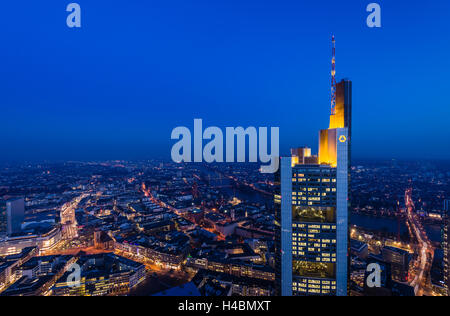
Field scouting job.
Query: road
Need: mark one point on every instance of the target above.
(69, 229)
(68, 220)
(425, 249)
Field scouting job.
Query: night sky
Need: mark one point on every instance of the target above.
(116, 88)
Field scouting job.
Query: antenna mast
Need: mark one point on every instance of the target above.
(333, 77)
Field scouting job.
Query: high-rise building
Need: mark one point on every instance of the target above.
(15, 214)
(399, 260)
(311, 209)
(446, 245)
(312, 215)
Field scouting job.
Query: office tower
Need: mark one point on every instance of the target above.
(15, 213)
(399, 260)
(312, 215)
(446, 245)
(311, 209)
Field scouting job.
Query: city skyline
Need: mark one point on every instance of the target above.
(197, 148)
(116, 92)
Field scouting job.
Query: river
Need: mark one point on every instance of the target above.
(368, 222)
(391, 225)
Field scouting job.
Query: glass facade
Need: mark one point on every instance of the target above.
(283, 237)
(342, 220)
(312, 212)
(446, 246)
(15, 214)
(314, 230)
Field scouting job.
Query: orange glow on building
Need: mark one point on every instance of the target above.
(328, 147)
(338, 120)
(341, 118)
(341, 115)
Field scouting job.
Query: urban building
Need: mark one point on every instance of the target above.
(232, 267)
(15, 214)
(234, 285)
(399, 260)
(36, 276)
(359, 249)
(167, 250)
(9, 266)
(388, 286)
(103, 241)
(311, 208)
(446, 246)
(103, 274)
(45, 239)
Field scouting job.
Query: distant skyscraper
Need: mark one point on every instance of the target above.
(446, 245)
(312, 211)
(15, 214)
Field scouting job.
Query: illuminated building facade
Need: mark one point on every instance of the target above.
(343, 115)
(45, 241)
(341, 119)
(399, 260)
(446, 246)
(9, 266)
(168, 251)
(103, 274)
(311, 211)
(235, 268)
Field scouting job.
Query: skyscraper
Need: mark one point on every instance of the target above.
(15, 213)
(311, 209)
(446, 205)
(446, 245)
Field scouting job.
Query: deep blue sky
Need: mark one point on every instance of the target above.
(115, 88)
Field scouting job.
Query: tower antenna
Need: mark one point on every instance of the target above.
(333, 77)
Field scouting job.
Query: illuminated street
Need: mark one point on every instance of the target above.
(426, 251)
(68, 221)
